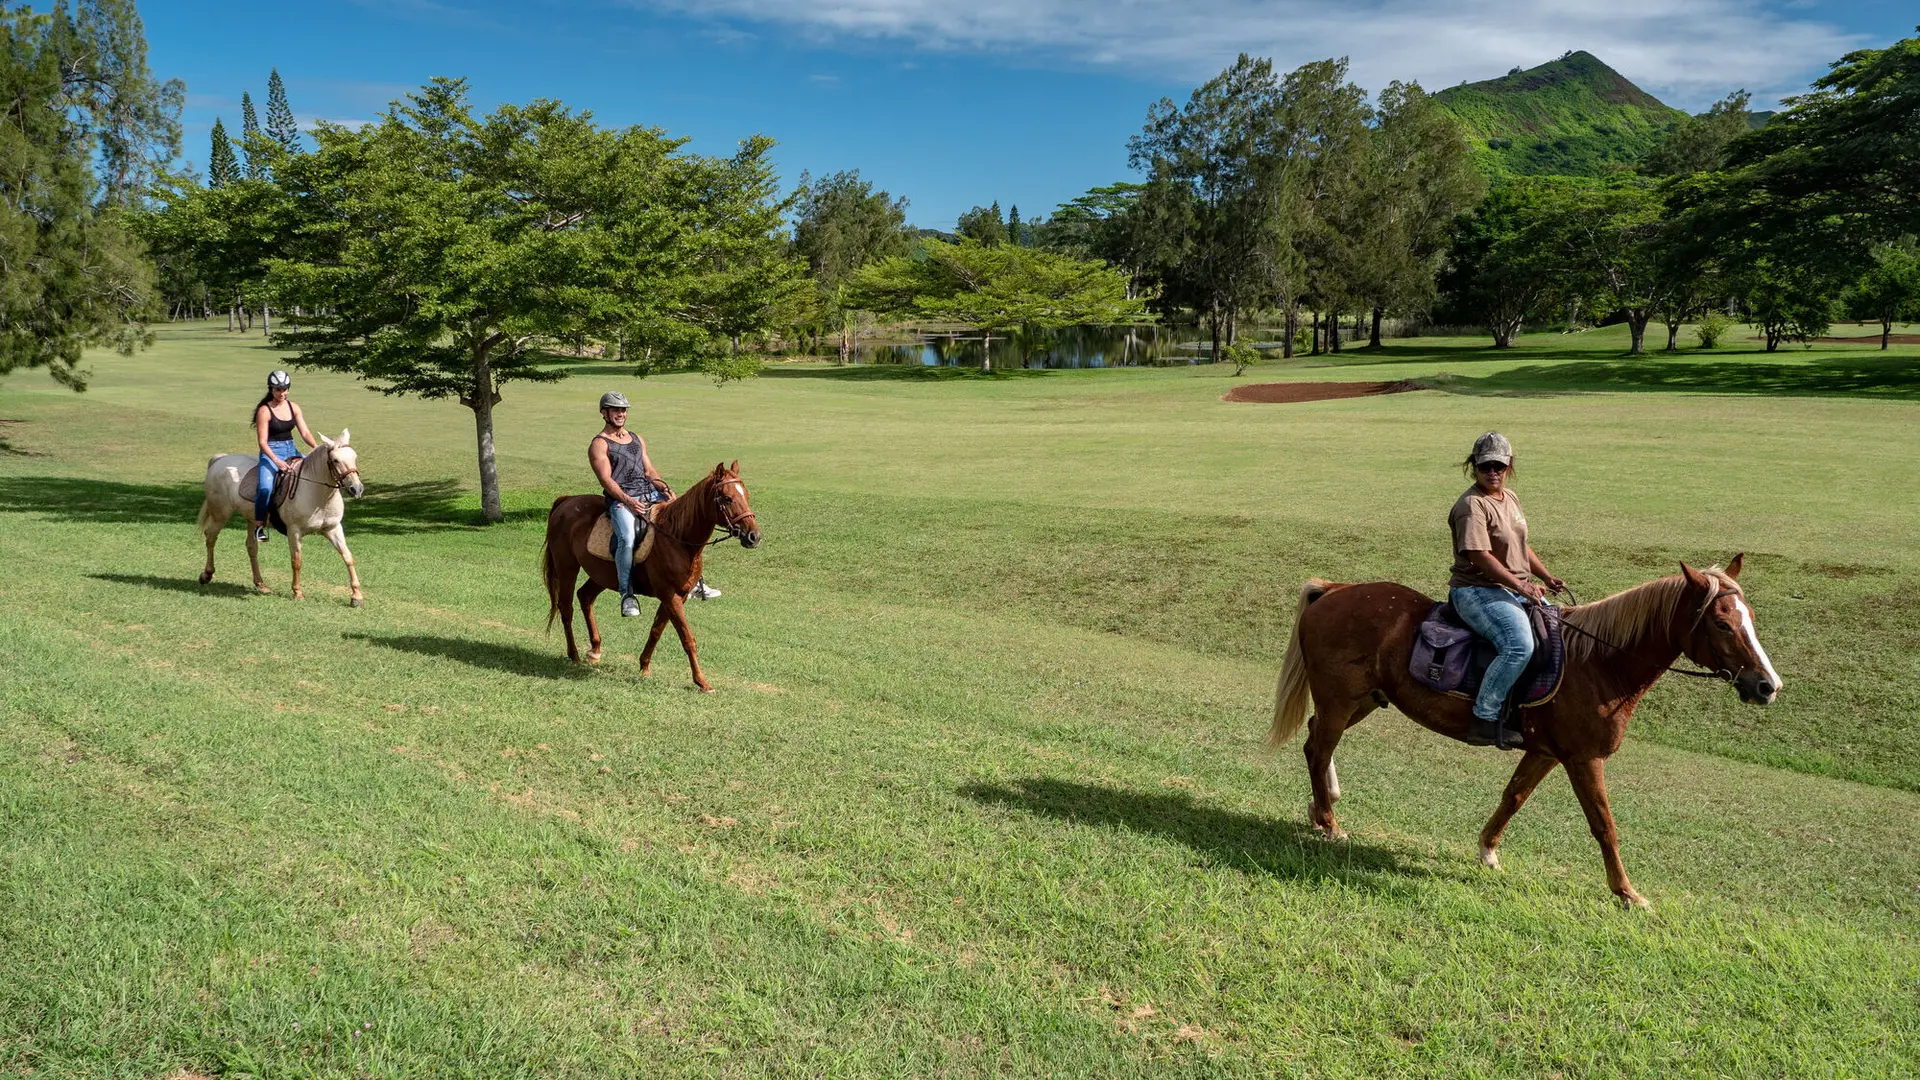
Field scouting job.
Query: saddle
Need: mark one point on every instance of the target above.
(600, 540)
(250, 483)
(1449, 657)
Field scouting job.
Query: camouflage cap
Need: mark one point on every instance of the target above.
(613, 399)
(1492, 446)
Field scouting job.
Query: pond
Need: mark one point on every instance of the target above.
(1070, 347)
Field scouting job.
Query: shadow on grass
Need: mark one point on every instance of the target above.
(512, 659)
(421, 506)
(183, 585)
(1895, 378)
(904, 373)
(1289, 849)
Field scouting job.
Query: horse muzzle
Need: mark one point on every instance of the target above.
(750, 538)
(1755, 688)
(353, 488)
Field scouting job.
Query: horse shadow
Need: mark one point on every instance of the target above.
(182, 585)
(1224, 838)
(512, 659)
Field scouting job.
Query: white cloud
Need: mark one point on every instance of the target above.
(824, 80)
(1690, 52)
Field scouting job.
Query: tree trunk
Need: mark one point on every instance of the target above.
(230, 319)
(986, 350)
(846, 345)
(1373, 339)
(1637, 327)
(1292, 328)
(1673, 337)
(1213, 322)
(1503, 332)
(482, 401)
(1314, 348)
(1333, 333)
(266, 320)
(1886, 332)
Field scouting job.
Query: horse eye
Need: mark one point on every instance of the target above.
(1724, 625)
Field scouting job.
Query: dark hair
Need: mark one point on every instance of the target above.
(253, 418)
(1513, 469)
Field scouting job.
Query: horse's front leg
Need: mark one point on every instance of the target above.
(293, 549)
(1532, 769)
(676, 609)
(1590, 784)
(337, 536)
(653, 638)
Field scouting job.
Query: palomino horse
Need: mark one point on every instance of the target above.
(681, 531)
(312, 505)
(1351, 645)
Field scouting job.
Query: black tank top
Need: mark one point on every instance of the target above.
(629, 473)
(279, 430)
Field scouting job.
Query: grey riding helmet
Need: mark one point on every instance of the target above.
(1492, 446)
(278, 380)
(614, 399)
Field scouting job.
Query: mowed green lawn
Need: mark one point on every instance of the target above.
(982, 790)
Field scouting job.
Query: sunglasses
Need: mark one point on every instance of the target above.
(1490, 466)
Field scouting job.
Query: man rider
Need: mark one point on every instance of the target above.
(619, 459)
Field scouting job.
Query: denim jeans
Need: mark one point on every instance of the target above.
(623, 530)
(270, 475)
(1500, 616)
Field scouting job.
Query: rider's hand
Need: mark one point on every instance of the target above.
(1533, 590)
(1557, 584)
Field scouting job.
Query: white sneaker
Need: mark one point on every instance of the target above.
(704, 591)
(260, 535)
(629, 606)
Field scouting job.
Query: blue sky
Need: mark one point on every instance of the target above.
(951, 104)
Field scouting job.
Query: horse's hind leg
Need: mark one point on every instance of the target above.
(293, 548)
(210, 529)
(1532, 769)
(1333, 714)
(253, 557)
(588, 594)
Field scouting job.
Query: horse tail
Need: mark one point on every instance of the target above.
(1290, 698)
(548, 571)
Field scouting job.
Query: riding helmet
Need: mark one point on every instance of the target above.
(613, 399)
(278, 380)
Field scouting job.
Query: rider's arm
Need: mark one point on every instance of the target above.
(260, 431)
(1491, 567)
(603, 468)
(1540, 571)
(300, 421)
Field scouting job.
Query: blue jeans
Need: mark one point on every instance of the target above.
(1500, 616)
(623, 530)
(270, 475)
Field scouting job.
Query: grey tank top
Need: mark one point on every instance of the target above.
(629, 473)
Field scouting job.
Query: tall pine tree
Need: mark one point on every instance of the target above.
(1013, 224)
(249, 129)
(222, 169)
(281, 126)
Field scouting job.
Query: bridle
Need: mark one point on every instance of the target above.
(724, 504)
(339, 478)
(1721, 674)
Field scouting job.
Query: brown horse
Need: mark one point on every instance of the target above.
(1351, 645)
(682, 528)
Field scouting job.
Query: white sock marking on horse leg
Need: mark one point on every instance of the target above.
(1333, 780)
(1753, 639)
(1489, 857)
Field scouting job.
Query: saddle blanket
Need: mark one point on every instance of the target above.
(1449, 657)
(600, 540)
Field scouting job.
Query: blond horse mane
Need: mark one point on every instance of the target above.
(1626, 616)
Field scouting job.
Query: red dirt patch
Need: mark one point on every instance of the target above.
(1896, 339)
(1280, 393)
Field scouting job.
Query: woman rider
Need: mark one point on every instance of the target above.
(275, 420)
(1491, 586)
(619, 460)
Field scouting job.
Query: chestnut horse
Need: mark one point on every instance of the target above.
(682, 527)
(1351, 645)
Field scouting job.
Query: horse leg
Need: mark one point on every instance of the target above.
(588, 594)
(1329, 722)
(253, 557)
(1532, 769)
(563, 600)
(653, 638)
(677, 611)
(1590, 784)
(338, 538)
(293, 549)
(211, 530)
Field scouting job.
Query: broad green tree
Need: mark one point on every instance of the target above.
(996, 289)
(445, 255)
(1613, 246)
(1890, 290)
(841, 224)
(1503, 269)
(748, 278)
(1786, 300)
(983, 225)
(1699, 144)
(83, 126)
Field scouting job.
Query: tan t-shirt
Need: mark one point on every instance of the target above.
(1483, 523)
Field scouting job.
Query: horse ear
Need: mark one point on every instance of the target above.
(1733, 566)
(719, 468)
(1694, 577)
(735, 467)
(329, 443)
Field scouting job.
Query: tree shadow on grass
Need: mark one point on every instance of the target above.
(182, 585)
(1288, 849)
(904, 373)
(1892, 378)
(420, 506)
(512, 659)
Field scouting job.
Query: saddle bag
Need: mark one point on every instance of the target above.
(1442, 651)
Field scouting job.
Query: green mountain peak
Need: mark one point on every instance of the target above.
(1574, 116)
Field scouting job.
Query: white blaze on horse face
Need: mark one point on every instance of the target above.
(1753, 640)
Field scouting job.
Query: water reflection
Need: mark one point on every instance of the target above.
(1070, 347)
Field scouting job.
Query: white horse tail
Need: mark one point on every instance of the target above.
(1290, 698)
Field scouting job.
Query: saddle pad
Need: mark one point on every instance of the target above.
(600, 540)
(1448, 656)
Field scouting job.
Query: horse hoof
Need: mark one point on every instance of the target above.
(206, 576)
(593, 657)
(1489, 857)
(355, 602)
(1633, 899)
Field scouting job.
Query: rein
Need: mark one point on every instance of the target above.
(1721, 675)
(299, 476)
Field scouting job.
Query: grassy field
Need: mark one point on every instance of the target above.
(982, 790)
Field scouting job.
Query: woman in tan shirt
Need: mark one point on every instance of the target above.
(1493, 571)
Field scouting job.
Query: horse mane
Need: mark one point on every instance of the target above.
(680, 506)
(1625, 617)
